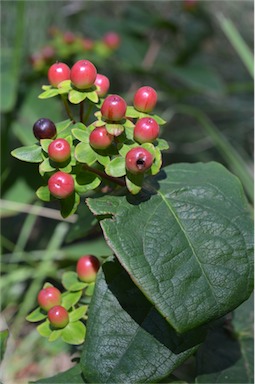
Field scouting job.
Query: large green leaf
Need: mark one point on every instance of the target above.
(127, 340)
(187, 241)
(227, 356)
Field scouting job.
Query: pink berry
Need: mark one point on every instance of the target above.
(59, 150)
(57, 73)
(112, 40)
(145, 99)
(58, 317)
(83, 74)
(138, 160)
(49, 297)
(61, 185)
(146, 130)
(100, 138)
(103, 83)
(114, 108)
(87, 268)
(88, 44)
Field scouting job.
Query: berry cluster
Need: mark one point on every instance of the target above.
(68, 45)
(113, 142)
(63, 314)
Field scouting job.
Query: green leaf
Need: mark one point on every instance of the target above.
(86, 181)
(44, 329)
(74, 333)
(132, 112)
(69, 205)
(192, 241)
(103, 159)
(30, 153)
(78, 313)
(162, 144)
(55, 335)
(45, 144)
(71, 282)
(81, 135)
(75, 97)
(46, 166)
(69, 299)
(90, 289)
(125, 148)
(134, 182)
(71, 376)
(158, 119)
(49, 93)
(64, 87)
(3, 342)
(37, 315)
(116, 167)
(227, 355)
(43, 193)
(134, 342)
(92, 96)
(63, 125)
(114, 129)
(85, 154)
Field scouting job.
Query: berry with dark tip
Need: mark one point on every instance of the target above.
(138, 160)
(87, 268)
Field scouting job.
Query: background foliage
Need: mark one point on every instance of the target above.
(206, 95)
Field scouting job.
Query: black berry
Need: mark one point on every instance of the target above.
(44, 129)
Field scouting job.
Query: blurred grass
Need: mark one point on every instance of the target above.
(203, 76)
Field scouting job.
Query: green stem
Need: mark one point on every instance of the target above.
(104, 175)
(228, 152)
(86, 117)
(68, 111)
(81, 110)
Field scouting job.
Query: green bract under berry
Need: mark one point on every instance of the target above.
(49, 297)
(87, 268)
(83, 74)
(57, 73)
(145, 99)
(146, 130)
(100, 138)
(61, 185)
(58, 317)
(44, 129)
(138, 160)
(114, 108)
(59, 150)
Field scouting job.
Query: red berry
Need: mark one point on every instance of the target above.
(83, 74)
(145, 99)
(57, 73)
(87, 268)
(48, 52)
(69, 37)
(114, 108)
(58, 317)
(49, 297)
(138, 160)
(112, 40)
(44, 129)
(146, 130)
(103, 84)
(61, 185)
(100, 138)
(59, 150)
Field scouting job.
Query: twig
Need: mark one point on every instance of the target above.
(115, 180)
